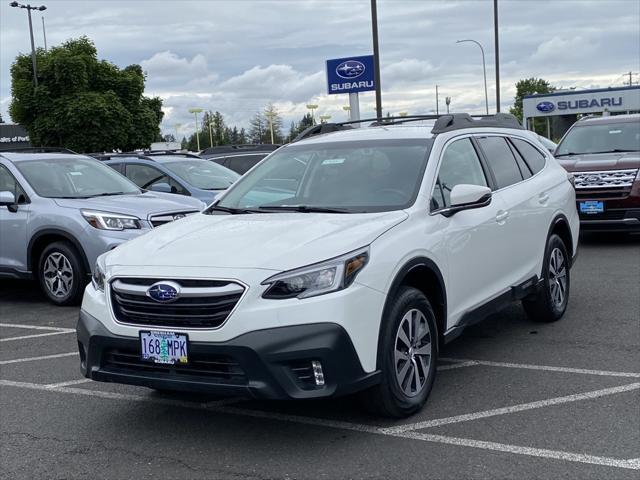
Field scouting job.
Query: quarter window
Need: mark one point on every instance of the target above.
(460, 165)
(501, 160)
(534, 158)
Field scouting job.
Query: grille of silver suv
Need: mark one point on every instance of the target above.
(161, 219)
(200, 303)
(605, 179)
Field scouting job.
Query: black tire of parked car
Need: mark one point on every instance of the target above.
(542, 307)
(66, 257)
(388, 398)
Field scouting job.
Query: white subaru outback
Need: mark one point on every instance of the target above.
(340, 263)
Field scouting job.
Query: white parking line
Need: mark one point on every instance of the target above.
(36, 327)
(24, 337)
(467, 363)
(66, 384)
(453, 366)
(512, 409)
(43, 357)
(631, 464)
(219, 407)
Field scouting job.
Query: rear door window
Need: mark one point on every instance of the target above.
(534, 158)
(501, 161)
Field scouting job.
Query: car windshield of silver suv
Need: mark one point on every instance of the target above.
(75, 178)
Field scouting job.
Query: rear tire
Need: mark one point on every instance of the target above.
(408, 355)
(61, 274)
(550, 303)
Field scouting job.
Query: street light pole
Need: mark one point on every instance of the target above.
(312, 107)
(376, 58)
(44, 34)
(196, 111)
(484, 71)
(497, 48)
(41, 8)
(437, 102)
(270, 116)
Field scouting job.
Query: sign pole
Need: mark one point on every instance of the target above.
(376, 58)
(354, 108)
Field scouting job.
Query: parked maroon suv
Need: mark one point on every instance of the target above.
(603, 153)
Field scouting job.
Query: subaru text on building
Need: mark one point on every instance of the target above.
(603, 153)
(59, 211)
(339, 264)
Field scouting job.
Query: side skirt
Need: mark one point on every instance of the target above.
(515, 293)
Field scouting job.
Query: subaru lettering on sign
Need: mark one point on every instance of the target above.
(546, 106)
(350, 75)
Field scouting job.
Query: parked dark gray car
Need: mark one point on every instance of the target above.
(59, 211)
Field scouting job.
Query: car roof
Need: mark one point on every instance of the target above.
(609, 119)
(25, 157)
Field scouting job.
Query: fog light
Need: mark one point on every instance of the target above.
(317, 372)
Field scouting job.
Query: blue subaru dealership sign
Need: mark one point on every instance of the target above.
(350, 75)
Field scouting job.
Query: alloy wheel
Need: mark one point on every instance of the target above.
(412, 353)
(58, 274)
(557, 277)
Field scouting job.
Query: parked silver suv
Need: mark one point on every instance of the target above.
(59, 211)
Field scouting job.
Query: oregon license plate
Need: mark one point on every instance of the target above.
(590, 207)
(164, 347)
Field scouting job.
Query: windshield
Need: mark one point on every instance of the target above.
(203, 174)
(349, 177)
(74, 177)
(601, 138)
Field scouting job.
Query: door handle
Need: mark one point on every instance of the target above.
(543, 198)
(502, 216)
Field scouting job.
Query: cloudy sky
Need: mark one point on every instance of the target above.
(237, 56)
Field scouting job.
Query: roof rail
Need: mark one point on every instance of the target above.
(109, 155)
(159, 153)
(37, 150)
(234, 148)
(457, 121)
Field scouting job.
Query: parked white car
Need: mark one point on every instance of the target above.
(340, 263)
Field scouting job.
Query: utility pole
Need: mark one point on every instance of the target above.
(41, 8)
(497, 51)
(44, 34)
(376, 58)
(437, 102)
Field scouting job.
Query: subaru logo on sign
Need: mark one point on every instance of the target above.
(546, 106)
(164, 292)
(350, 69)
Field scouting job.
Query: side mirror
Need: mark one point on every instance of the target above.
(161, 187)
(8, 199)
(466, 197)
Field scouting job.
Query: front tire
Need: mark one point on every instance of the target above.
(408, 355)
(550, 303)
(61, 274)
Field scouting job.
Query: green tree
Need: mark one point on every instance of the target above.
(528, 86)
(81, 102)
(257, 128)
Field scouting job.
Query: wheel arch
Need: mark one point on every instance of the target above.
(560, 226)
(423, 274)
(45, 237)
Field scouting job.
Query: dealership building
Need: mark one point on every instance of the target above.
(562, 108)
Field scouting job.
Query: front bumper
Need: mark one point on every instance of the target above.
(622, 220)
(273, 363)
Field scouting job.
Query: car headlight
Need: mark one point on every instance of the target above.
(111, 221)
(98, 276)
(318, 279)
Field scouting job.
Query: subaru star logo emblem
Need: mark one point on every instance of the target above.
(350, 69)
(546, 107)
(164, 292)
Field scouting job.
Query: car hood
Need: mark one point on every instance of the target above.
(141, 205)
(600, 161)
(273, 241)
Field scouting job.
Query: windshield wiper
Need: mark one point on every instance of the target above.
(566, 154)
(306, 209)
(232, 211)
(105, 194)
(616, 150)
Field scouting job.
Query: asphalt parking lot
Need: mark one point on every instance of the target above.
(513, 399)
